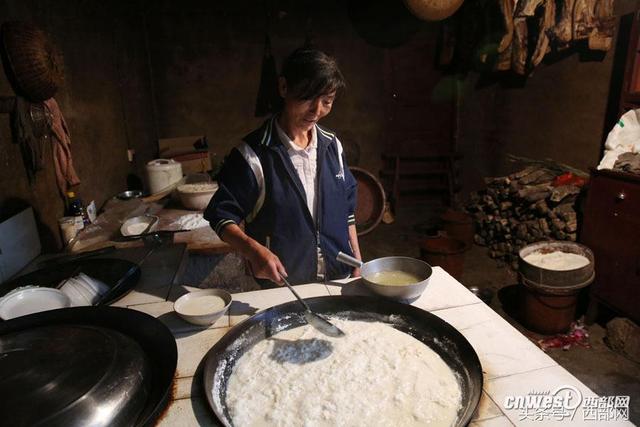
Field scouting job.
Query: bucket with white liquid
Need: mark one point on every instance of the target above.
(553, 273)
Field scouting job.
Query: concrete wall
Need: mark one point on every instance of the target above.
(92, 102)
(142, 70)
(206, 60)
(558, 113)
(139, 71)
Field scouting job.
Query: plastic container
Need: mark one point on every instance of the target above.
(445, 252)
(162, 174)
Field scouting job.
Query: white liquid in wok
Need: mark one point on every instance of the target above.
(373, 376)
(202, 305)
(393, 278)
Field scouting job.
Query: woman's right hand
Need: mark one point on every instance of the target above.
(265, 264)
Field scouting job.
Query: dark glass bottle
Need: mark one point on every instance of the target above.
(75, 208)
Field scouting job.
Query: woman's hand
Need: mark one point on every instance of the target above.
(265, 264)
(356, 272)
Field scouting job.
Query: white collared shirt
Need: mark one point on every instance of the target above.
(305, 162)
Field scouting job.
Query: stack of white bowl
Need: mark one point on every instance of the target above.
(83, 290)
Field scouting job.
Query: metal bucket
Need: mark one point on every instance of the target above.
(551, 296)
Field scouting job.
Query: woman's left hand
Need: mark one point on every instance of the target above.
(356, 272)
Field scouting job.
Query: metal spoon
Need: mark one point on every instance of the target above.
(314, 319)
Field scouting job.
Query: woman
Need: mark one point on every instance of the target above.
(288, 181)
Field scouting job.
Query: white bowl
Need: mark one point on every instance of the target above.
(201, 308)
(77, 297)
(139, 224)
(94, 286)
(197, 196)
(31, 299)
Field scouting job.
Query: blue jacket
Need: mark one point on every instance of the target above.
(259, 185)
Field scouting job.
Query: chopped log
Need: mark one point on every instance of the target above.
(563, 191)
(534, 177)
(524, 172)
(497, 181)
(541, 207)
(534, 193)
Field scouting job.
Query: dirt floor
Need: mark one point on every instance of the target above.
(606, 372)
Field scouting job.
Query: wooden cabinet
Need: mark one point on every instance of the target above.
(611, 228)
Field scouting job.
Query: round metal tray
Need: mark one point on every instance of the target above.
(434, 332)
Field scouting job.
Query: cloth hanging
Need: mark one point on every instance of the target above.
(66, 176)
(31, 147)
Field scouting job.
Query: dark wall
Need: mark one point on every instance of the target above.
(90, 36)
(139, 71)
(206, 59)
(558, 113)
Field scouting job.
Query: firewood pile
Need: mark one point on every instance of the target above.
(527, 206)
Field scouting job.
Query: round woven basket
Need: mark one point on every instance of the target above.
(33, 64)
(433, 10)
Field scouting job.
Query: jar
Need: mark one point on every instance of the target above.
(68, 228)
(162, 174)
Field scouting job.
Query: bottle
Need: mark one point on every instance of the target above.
(75, 208)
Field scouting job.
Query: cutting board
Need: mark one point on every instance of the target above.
(20, 243)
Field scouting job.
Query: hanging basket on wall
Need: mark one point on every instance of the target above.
(32, 63)
(433, 10)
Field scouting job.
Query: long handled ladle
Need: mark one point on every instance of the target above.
(314, 319)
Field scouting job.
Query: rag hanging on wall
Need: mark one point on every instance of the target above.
(268, 100)
(30, 126)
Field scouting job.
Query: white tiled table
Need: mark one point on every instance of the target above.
(512, 365)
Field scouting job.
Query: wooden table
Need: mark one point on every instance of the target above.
(106, 229)
(512, 365)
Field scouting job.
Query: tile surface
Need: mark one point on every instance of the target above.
(512, 364)
(187, 413)
(163, 311)
(137, 297)
(186, 388)
(501, 421)
(192, 346)
(486, 409)
(502, 350)
(543, 381)
(442, 291)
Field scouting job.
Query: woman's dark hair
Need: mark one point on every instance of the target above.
(311, 73)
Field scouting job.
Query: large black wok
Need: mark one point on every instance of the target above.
(38, 392)
(441, 337)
